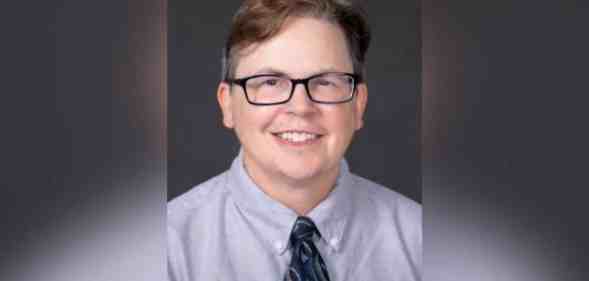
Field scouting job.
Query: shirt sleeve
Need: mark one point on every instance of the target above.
(412, 227)
(177, 270)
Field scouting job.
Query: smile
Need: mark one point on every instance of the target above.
(295, 137)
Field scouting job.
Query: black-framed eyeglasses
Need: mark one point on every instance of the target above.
(324, 88)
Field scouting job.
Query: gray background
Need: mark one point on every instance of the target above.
(385, 150)
(505, 140)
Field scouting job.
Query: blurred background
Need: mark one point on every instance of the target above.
(83, 145)
(503, 130)
(505, 140)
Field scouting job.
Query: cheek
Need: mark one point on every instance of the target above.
(342, 125)
(252, 120)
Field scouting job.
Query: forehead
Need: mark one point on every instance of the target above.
(303, 46)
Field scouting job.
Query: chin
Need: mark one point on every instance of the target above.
(301, 173)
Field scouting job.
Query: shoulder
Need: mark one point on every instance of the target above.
(389, 206)
(384, 197)
(197, 199)
(394, 215)
(186, 214)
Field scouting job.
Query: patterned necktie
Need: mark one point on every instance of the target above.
(306, 263)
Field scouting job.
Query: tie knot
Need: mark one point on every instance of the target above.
(303, 229)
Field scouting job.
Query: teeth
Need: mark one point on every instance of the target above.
(297, 137)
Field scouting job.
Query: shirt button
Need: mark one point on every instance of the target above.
(278, 245)
(333, 242)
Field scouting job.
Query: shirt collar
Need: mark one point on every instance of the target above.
(333, 213)
(330, 216)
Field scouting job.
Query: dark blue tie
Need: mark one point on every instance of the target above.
(306, 263)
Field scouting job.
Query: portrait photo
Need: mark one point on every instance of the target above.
(294, 119)
(294, 140)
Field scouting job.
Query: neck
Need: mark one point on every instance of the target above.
(299, 195)
(302, 198)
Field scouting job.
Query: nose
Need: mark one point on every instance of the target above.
(300, 102)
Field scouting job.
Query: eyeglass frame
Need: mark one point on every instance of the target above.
(294, 82)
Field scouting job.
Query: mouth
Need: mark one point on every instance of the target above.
(297, 137)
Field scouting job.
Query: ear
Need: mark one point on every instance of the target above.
(360, 105)
(225, 99)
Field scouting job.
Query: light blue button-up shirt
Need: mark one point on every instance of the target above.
(228, 229)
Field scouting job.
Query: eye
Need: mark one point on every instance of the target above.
(323, 82)
(271, 82)
(266, 82)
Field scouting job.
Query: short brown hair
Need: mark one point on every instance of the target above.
(259, 20)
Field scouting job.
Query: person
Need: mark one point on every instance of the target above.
(288, 208)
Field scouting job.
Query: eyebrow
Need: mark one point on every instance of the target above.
(270, 70)
(275, 71)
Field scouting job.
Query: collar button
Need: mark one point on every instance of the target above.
(278, 245)
(333, 242)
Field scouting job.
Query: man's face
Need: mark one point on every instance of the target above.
(303, 47)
